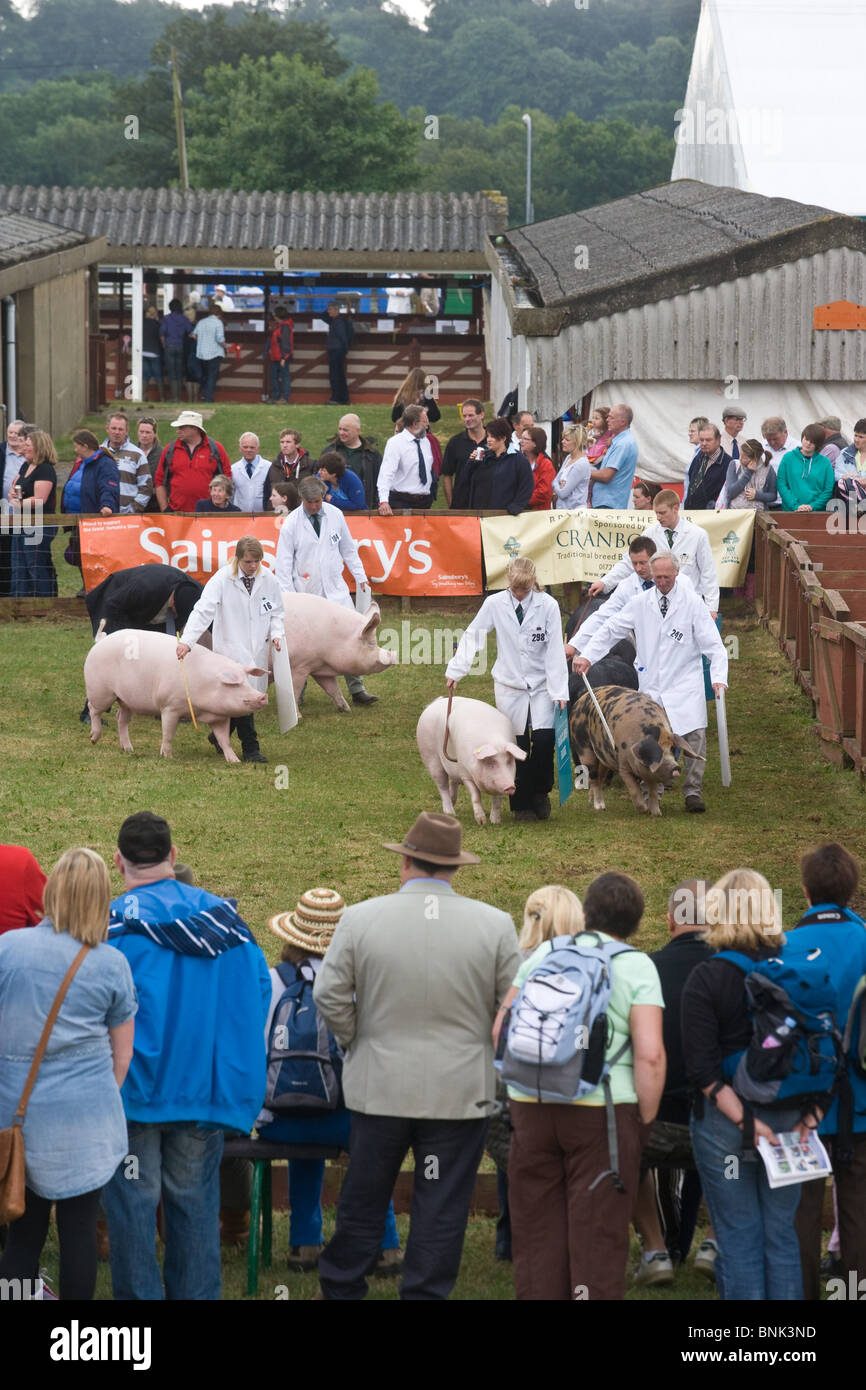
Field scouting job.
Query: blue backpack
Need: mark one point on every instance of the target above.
(305, 1063)
(554, 1037)
(795, 1050)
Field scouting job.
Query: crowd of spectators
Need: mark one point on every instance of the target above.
(165, 1043)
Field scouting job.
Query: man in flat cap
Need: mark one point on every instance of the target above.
(410, 986)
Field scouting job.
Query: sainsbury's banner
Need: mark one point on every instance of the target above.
(414, 555)
(583, 545)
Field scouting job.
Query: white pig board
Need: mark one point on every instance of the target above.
(287, 710)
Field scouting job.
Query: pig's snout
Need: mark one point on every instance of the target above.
(257, 699)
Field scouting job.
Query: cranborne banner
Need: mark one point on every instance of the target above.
(412, 555)
(584, 544)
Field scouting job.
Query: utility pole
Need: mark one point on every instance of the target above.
(527, 121)
(178, 121)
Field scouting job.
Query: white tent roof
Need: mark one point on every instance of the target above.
(775, 101)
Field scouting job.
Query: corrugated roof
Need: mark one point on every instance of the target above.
(664, 241)
(221, 220)
(25, 238)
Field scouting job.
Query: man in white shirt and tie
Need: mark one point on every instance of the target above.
(249, 475)
(406, 473)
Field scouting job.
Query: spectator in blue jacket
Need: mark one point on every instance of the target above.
(174, 331)
(92, 486)
(198, 1068)
(345, 488)
(830, 877)
(94, 483)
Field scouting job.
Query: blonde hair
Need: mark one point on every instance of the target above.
(43, 447)
(522, 570)
(411, 387)
(742, 913)
(578, 434)
(247, 546)
(77, 896)
(549, 911)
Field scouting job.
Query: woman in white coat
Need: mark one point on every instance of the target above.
(530, 677)
(244, 602)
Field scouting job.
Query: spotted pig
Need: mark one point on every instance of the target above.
(644, 745)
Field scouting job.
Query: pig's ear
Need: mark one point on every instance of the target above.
(515, 752)
(255, 671)
(230, 678)
(485, 751)
(677, 742)
(373, 621)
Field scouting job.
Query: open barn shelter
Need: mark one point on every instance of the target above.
(680, 300)
(299, 249)
(45, 272)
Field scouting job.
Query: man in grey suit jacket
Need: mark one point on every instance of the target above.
(410, 986)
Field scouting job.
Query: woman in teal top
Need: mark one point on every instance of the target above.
(805, 478)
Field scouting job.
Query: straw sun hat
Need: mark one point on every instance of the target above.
(311, 925)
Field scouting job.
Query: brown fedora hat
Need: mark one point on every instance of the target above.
(435, 838)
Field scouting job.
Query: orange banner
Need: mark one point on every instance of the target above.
(403, 555)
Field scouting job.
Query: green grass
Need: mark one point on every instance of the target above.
(355, 780)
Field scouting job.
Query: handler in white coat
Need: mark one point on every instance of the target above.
(673, 629)
(690, 543)
(245, 605)
(530, 677)
(313, 547)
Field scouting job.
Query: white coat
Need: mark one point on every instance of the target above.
(311, 564)
(669, 651)
(531, 671)
(243, 623)
(249, 492)
(694, 552)
(624, 591)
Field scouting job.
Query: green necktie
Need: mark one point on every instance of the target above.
(519, 611)
(317, 522)
(670, 536)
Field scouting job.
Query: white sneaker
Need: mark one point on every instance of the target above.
(656, 1268)
(705, 1260)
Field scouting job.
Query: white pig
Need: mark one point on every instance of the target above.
(326, 640)
(140, 670)
(481, 753)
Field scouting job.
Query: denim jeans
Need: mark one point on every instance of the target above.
(174, 365)
(33, 573)
(759, 1254)
(281, 381)
(210, 370)
(179, 1165)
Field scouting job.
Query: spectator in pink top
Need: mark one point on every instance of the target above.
(599, 435)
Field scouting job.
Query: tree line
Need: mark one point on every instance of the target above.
(327, 98)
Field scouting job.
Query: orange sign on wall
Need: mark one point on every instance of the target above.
(411, 555)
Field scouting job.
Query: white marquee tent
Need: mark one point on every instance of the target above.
(775, 101)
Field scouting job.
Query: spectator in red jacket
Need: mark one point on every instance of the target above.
(281, 345)
(187, 465)
(533, 444)
(21, 885)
